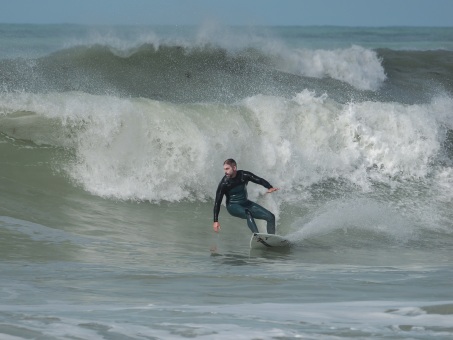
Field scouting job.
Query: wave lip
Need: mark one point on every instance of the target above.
(356, 66)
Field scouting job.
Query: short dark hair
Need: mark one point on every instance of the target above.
(230, 162)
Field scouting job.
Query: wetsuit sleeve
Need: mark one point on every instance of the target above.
(248, 176)
(218, 201)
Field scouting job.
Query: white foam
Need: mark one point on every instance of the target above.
(240, 321)
(357, 66)
(143, 149)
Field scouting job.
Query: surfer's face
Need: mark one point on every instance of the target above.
(230, 171)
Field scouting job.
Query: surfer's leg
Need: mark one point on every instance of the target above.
(251, 222)
(261, 213)
(237, 210)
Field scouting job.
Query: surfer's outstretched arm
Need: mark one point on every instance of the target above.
(218, 201)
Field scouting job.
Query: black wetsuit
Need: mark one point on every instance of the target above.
(237, 202)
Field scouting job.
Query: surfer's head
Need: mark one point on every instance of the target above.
(230, 168)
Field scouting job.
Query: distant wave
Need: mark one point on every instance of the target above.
(189, 74)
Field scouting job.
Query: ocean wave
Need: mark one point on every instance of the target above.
(151, 150)
(217, 64)
(190, 74)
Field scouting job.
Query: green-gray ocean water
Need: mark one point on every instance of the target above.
(112, 141)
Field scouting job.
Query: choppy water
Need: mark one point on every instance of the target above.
(112, 142)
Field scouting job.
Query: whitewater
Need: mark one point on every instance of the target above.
(112, 141)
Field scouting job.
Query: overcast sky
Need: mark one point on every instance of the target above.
(231, 12)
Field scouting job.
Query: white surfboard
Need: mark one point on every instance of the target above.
(267, 241)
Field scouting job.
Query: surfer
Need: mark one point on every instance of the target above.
(234, 186)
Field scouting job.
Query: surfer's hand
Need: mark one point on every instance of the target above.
(216, 227)
(272, 190)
